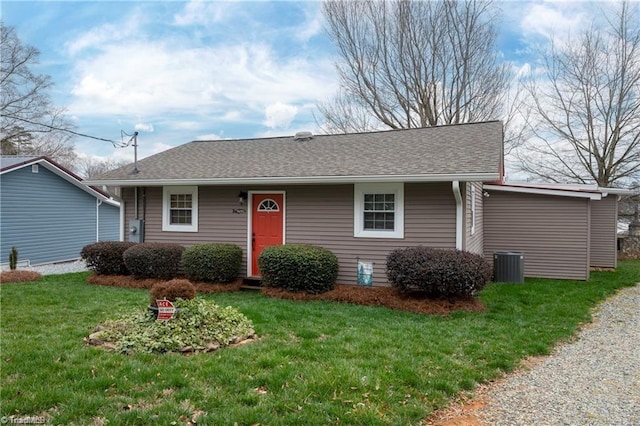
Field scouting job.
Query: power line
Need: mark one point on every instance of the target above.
(115, 144)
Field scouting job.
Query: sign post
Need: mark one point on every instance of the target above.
(166, 310)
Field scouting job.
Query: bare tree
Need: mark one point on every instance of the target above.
(29, 123)
(586, 99)
(407, 64)
(90, 167)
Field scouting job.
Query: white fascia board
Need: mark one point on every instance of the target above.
(463, 177)
(540, 191)
(616, 191)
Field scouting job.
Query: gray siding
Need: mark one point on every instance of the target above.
(552, 231)
(323, 215)
(45, 217)
(474, 242)
(320, 214)
(216, 221)
(604, 217)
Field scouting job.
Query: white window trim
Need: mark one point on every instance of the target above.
(473, 209)
(359, 189)
(167, 191)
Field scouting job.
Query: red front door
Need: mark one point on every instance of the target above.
(266, 225)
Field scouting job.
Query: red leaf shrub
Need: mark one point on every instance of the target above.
(105, 257)
(172, 290)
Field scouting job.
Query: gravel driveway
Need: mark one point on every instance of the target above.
(594, 380)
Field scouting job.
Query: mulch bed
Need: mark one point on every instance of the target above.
(382, 296)
(359, 295)
(128, 281)
(18, 276)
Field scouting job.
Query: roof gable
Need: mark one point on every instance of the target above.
(11, 163)
(437, 153)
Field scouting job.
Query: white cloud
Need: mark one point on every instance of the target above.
(280, 115)
(186, 77)
(144, 127)
(554, 19)
(199, 12)
(232, 116)
(209, 137)
(312, 25)
(107, 33)
(143, 79)
(523, 71)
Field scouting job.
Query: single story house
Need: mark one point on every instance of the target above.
(48, 213)
(360, 195)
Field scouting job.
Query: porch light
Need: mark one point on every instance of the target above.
(242, 197)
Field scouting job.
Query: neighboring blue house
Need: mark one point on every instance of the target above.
(48, 213)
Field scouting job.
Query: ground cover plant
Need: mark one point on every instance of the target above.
(199, 325)
(315, 362)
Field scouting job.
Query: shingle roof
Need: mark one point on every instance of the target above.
(472, 149)
(10, 161)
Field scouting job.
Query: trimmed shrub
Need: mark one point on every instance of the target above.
(154, 260)
(299, 267)
(13, 258)
(437, 272)
(105, 257)
(172, 290)
(215, 263)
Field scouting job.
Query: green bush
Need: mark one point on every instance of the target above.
(216, 263)
(172, 290)
(154, 260)
(299, 267)
(105, 257)
(437, 272)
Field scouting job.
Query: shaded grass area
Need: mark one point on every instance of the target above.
(316, 362)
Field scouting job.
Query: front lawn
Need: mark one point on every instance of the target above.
(315, 362)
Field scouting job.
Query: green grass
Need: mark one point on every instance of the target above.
(316, 362)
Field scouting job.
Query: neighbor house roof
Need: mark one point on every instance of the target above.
(453, 152)
(9, 163)
(593, 192)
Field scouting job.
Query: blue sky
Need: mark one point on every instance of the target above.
(177, 71)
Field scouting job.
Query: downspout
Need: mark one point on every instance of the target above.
(458, 196)
(122, 219)
(98, 204)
